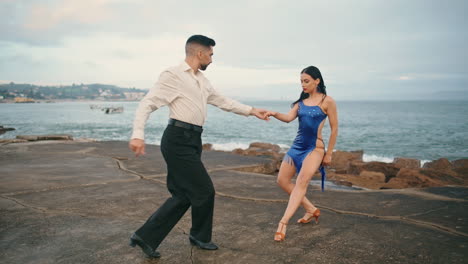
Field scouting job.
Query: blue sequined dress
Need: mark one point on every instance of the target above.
(310, 118)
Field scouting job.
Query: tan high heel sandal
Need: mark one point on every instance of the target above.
(279, 236)
(315, 214)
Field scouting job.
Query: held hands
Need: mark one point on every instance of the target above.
(259, 113)
(262, 113)
(138, 146)
(271, 113)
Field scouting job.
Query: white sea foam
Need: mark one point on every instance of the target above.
(372, 157)
(234, 145)
(230, 146)
(424, 162)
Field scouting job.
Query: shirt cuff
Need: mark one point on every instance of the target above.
(138, 134)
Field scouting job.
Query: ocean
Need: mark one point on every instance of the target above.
(425, 130)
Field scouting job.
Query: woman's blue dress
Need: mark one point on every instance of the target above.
(310, 118)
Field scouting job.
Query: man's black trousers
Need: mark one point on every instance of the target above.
(189, 184)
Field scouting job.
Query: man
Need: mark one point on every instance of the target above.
(186, 91)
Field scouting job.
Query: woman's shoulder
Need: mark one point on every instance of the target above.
(328, 99)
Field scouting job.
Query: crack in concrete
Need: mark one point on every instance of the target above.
(391, 218)
(69, 187)
(428, 211)
(191, 254)
(40, 209)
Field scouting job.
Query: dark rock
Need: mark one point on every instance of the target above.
(12, 141)
(440, 164)
(342, 159)
(409, 178)
(388, 169)
(265, 146)
(45, 137)
(207, 147)
(461, 167)
(407, 163)
(5, 129)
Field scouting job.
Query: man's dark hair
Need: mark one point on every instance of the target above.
(202, 40)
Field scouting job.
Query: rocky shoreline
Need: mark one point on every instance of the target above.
(347, 168)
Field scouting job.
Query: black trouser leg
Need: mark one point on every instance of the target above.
(163, 220)
(189, 184)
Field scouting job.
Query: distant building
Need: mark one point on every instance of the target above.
(134, 95)
(23, 100)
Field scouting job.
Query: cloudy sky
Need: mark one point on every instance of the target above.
(366, 49)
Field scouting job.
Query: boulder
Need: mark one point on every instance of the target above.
(410, 178)
(388, 169)
(342, 159)
(440, 164)
(461, 167)
(5, 129)
(238, 151)
(372, 176)
(7, 141)
(261, 149)
(207, 147)
(265, 146)
(421, 178)
(45, 137)
(444, 177)
(407, 163)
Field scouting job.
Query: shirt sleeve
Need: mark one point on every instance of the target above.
(227, 104)
(162, 93)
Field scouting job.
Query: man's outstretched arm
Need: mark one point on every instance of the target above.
(230, 105)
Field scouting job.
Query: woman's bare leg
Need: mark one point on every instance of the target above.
(286, 173)
(309, 166)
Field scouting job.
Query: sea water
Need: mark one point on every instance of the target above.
(425, 130)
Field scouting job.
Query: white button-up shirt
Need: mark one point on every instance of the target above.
(186, 93)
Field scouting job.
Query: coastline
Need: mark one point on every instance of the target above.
(348, 168)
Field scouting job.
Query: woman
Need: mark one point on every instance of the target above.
(307, 153)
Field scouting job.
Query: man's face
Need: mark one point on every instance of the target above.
(206, 58)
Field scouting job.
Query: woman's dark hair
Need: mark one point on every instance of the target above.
(202, 40)
(314, 72)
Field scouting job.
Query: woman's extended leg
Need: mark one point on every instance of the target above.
(286, 173)
(309, 166)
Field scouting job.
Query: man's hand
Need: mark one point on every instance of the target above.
(260, 113)
(138, 146)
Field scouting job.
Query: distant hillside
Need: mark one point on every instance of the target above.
(74, 91)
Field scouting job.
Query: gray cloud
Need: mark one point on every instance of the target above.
(366, 44)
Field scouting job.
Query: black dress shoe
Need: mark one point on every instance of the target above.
(136, 240)
(202, 245)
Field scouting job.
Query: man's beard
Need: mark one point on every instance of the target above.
(203, 67)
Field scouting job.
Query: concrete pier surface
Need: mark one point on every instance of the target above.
(75, 202)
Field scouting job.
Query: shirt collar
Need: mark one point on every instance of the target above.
(184, 66)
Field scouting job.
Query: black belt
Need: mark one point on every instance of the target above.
(185, 125)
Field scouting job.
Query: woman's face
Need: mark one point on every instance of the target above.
(308, 83)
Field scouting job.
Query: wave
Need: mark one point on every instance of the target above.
(372, 157)
(230, 146)
(234, 145)
(386, 159)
